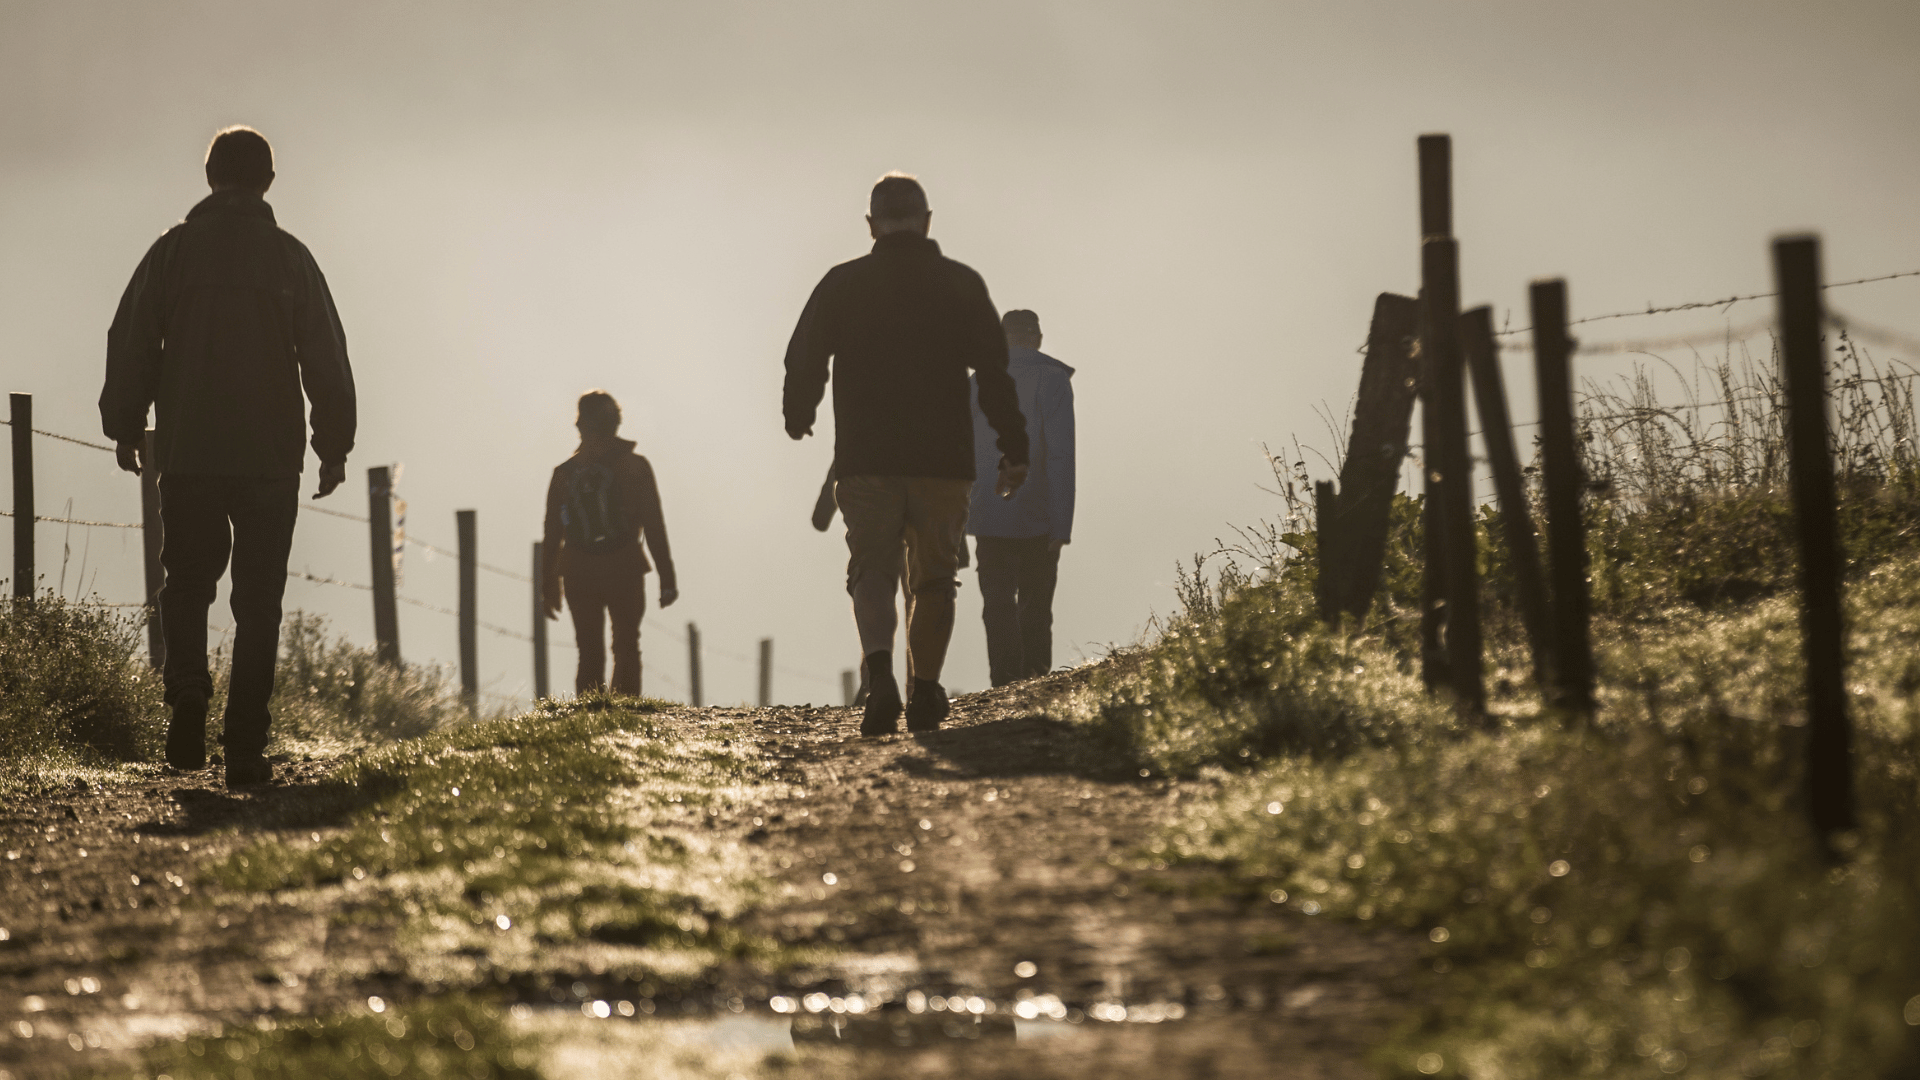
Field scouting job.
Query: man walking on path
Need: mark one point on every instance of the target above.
(1019, 539)
(601, 502)
(225, 321)
(902, 326)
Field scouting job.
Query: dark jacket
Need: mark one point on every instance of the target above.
(224, 321)
(641, 497)
(903, 325)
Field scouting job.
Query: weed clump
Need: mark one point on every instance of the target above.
(332, 693)
(71, 687)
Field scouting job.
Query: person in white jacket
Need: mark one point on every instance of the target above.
(1018, 539)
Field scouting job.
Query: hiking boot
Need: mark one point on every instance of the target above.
(248, 770)
(187, 733)
(882, 715)
(928, 707)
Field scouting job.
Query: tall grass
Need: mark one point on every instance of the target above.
(1642, 898)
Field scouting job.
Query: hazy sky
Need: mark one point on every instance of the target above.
(515, 202)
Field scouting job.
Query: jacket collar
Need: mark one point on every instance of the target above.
(241, 202)
(906, 243)
(1021, 354)
(603, 446)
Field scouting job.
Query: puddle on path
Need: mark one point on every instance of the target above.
(761, 1033)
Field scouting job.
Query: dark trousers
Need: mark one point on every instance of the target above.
(1016, 583)
(205, 520)
(603, 591)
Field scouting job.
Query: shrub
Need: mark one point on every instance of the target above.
(71, 685)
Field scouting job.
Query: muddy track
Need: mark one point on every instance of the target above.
(986, 861)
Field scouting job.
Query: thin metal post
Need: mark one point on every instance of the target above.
(1496, 432)
(21, 406)
(151, 538)
(1568, 601)
(539, 627)
(386, 614)
(766, 672)
(1829, 770)
(1446, 371)
(469, 599)
(694, 690)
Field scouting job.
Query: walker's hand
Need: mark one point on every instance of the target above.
(550, 598)
(1010, 479)
(796, 434)
(131, 456)
(331, 476)
(668, 594)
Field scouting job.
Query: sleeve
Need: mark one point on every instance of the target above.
(653, 522)
(807, 355)
(1056, 419)
(135, 345)
(324, 370)
(553, 534)
(987, 348)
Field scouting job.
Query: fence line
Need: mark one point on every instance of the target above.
(1698, 305)
(77, 521)
(67, 438)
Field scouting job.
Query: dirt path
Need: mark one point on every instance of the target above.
(981, 863)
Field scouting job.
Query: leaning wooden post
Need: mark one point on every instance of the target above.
(386, 614)
(1496, 428)
(539, 626)
(21, 406)
(693, 666)
(151, 538)
(766, 672)
(1829, 771)
(1362, 514)
(469, 600)
(1446, 371)
(1436, 219)
(1568, 601)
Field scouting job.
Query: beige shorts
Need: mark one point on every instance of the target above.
(926, 514)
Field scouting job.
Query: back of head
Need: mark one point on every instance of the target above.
(598, 413)
(1022, 328)
(240, 157)
(898, 202)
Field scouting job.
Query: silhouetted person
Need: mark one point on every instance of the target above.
(1019, 539)
(902, 326)
(223, 324)
(601, 502)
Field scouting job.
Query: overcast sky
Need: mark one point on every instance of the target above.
(516, 202)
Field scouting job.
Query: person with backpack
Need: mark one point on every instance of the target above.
(601, 503)
(896, 332)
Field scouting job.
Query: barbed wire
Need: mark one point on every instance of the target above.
(67, 438)
(77, 521)
(1723, 302)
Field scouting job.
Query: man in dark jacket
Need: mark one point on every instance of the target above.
(901, 327)
(601, 502)
(224, 322)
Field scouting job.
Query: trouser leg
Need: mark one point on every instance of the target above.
(874, 508)
(588, 606)
(626, 604)
(262, 512)
(1039, 572)
(936, 531)
(193, 552)
(999, 608)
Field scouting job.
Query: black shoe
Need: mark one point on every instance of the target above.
(248, 770)
(928, 707)
(187, 733)
(882, 716)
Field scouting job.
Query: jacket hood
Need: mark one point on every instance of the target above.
(1023, 355)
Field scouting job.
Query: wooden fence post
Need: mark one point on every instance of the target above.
(1829, 772)
(1496, 427)
(151, 538)
(693, 666)
(21, 407)
(1446, 371)
(469, 601)
(386, 614)
(539, 626)
(848, 686)
(1568, 601)
(1354, 523)
(1436, 219)
(766, 672)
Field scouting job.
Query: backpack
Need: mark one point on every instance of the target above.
(595, 514)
